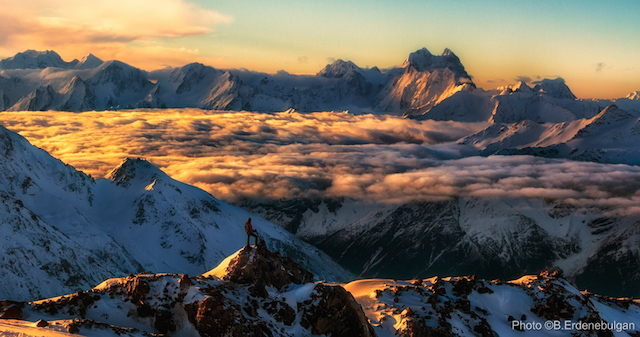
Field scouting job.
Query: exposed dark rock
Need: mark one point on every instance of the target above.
(42, 323)
(419, 328)
(464, 286)
(10, 310)
(164, 322)
(73, 328)
(138, 288)
(185, 281)
(216, 316)
(262, 268)
(333, 311)
(282, 312)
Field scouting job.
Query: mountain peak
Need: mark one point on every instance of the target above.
(338, 69)
(88, 62)
(634, 96)
(419, 59)
(611, 113)
(134, 169)
(448, 52)
(554, 88)
(423, 60)
(33, 59)
(258, 264)
(520, 86)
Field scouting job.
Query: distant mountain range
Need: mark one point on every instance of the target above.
(490, 237)
(426, 86)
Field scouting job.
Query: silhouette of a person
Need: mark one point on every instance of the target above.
(248, 228)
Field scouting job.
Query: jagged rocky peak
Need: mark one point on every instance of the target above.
(611, 113)
(519, 86)
(32, 59)
(326, 310)
(338, 69)
(134, 169)
(190, 76)
(554, 88)
(423, 60)
(192, 69)
(40, 99)
(261, 266)
(119, 73)
(89, 62)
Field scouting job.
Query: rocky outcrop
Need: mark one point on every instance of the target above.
(333, 311)
(328, 310)
(262, 268)
(10, 310)
(260, 294)
(468, 306)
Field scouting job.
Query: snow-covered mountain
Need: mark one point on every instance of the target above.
(611, 136)
(32, 59)
(426, 86)
(549, 101)
(61, 230)
(489, 237)
(426, 80)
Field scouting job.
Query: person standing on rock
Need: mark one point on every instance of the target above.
(248, 228)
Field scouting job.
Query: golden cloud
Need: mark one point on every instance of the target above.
(245, 155)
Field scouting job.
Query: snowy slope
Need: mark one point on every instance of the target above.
(57, 223)
(48, 247)
(611, 136)
(468, 306)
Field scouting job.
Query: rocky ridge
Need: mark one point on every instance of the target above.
(258, 293)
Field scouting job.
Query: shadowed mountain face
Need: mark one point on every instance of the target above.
(489, 237)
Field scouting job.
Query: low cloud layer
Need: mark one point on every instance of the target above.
(238, 155)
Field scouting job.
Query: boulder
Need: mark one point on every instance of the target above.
(333, 311)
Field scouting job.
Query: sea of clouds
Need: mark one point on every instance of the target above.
(247, 155)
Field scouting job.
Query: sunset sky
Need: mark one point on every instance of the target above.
(591, 44)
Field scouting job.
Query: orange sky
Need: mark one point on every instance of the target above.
(591, 45)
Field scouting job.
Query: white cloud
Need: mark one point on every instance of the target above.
(236, 155)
